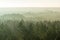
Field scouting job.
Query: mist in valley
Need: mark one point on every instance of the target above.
(30, 23)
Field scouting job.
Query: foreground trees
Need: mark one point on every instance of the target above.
(29, 30)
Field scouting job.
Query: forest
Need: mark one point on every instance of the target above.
(30, 23)
(30, 30)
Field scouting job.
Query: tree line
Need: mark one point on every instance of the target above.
(29, 30)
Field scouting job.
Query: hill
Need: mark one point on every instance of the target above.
(11, 17)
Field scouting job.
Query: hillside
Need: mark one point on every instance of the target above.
(11, 17)
(30, 13)
(44, 15)
(37, 24)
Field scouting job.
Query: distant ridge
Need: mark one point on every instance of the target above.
(11, 17)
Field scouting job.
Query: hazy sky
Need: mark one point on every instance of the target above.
(29, 3)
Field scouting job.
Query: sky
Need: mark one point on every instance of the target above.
(5, 5)
(29, 3)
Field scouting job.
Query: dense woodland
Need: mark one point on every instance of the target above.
(29, 30)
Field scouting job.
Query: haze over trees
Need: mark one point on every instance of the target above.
(30, 26)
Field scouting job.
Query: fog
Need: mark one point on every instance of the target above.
(22, 10)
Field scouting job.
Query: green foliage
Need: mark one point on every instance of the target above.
(29, 30)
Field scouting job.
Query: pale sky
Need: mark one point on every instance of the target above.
(29, 3)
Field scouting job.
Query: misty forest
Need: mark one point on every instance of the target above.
(29, 24)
